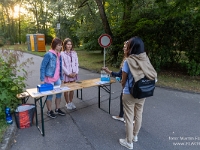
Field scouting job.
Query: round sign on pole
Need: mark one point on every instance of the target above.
(104, 40)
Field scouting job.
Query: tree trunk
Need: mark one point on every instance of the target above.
(104, 17)
(128, 5)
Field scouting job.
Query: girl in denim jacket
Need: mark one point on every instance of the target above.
(70, 69)
(51, 72)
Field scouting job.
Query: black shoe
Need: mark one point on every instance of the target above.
(60, 112)
(51, 114)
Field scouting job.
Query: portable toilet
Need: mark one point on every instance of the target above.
(39, 42)
(30, 42)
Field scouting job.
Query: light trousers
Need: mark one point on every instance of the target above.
(132, 105)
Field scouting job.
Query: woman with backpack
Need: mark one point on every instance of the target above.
(135, 67)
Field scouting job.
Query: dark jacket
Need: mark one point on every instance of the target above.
(117, 74)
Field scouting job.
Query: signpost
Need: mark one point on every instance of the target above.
(105, 41)
(58, 26)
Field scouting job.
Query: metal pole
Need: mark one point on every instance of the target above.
(59, 18)
(104, 56)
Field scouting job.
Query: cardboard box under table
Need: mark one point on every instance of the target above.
(38, 96)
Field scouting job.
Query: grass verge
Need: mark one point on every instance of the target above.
(179, 81)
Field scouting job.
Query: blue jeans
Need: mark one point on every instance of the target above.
(58, 95)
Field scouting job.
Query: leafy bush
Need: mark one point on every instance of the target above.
(11, 83)
(193, 68)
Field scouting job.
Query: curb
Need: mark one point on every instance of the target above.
(9, 136)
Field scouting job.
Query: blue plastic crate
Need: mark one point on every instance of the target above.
(45, 87)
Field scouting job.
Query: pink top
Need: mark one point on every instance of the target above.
(69, 64)
(57, 71)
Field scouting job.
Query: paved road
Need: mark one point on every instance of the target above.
(171, 121)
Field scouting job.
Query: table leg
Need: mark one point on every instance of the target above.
(77, 94)
(108, 90)
(42, 117)
(36, 118)
(23, 100)
(81, 95)
(109, 98)
(99, 96)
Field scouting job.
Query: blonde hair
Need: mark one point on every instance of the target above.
(125, 56)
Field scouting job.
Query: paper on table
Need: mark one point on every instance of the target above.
(46, 92)
(61, 89)
(65, 88)
(56, 86)
(103, 82)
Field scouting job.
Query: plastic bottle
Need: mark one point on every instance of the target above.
(8, 116)
(118, 79)
(104, 76)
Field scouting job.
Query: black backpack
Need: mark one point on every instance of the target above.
(142, 88)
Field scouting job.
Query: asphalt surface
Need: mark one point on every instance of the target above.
(171, 121)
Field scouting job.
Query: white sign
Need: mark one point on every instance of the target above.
(58, 26)
(104, 40)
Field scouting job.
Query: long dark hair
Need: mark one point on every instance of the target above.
(135, 45)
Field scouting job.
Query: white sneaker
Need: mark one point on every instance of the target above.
(124, 142)
(69, 106)
(73, 106)
(118, 118)
(135, 138)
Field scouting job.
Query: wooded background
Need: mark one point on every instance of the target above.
(170, 29)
